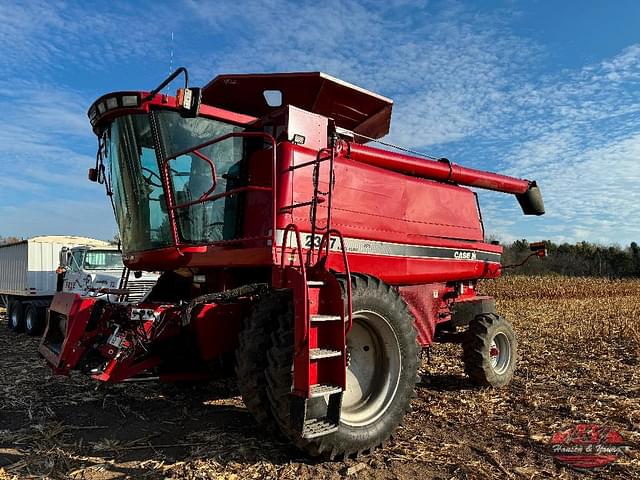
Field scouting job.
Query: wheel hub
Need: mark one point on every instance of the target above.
(373, 369)
(500, 353)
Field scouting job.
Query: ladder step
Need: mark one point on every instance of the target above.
(315, 283)
(322, 389)
(317, 427)
(325, 318)
(319, 353)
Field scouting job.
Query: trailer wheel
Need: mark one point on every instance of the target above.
(16, 316)
(33, 320)
(251, 357)
(490, 351)
(381, 372)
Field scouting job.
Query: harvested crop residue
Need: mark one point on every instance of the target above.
(580, 363)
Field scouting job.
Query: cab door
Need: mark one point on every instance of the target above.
(74, 278)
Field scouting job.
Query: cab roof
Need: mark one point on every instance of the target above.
(353, 108)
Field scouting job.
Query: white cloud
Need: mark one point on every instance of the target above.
(42, 37)
(45, 143)
(581, 134)
(450, 72)
(464, 84)
(590, 194)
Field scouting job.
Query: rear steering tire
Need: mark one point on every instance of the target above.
(15, 316)
(490, 351)
(382, 364)
(33, 320)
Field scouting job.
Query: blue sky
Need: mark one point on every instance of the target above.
(543, 90)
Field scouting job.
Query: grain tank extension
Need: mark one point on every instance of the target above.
(314, 264)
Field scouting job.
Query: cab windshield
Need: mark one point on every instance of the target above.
(103, 260)
(136, 149)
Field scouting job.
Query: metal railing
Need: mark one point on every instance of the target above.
(303, 271)
(208, 197)
(326, 239)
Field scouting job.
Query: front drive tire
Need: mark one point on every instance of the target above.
(490, 351)
(381, 372)
(251, 357)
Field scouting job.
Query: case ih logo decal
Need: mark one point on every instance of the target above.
(464, 255)
(587, 446)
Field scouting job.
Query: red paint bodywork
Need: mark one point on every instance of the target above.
(382, 203)
(216, 328)
(77, 312)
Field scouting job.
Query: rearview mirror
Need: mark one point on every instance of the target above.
(64, 256)
(93, 175)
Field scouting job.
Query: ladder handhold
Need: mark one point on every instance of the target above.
(302, 204)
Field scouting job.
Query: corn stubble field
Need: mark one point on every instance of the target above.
(580, 362)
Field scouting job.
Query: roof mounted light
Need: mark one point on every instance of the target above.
(114, 101)
(130, 100)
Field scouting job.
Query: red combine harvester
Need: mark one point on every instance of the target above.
(320, 264)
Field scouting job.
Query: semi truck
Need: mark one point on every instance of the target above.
(33, 270)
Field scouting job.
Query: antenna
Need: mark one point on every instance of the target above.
(170, 58)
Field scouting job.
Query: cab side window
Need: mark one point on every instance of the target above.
(75, 265)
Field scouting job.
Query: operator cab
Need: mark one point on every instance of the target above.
(183, 172)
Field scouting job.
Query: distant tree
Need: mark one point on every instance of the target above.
(579, 259)
(5, 240)
(634, 250)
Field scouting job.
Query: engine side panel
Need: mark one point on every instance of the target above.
(401, 229)
(378, 204)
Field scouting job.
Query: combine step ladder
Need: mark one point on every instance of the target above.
(320, 351)
(320, 359)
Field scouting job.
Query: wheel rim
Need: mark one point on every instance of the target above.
(14, 317)
(500, 353)
(374, 364)
(28, 320)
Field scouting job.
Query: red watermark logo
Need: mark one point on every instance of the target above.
(588, 446)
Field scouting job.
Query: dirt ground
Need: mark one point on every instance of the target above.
(580, 362)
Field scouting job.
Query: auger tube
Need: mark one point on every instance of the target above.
(527, 191)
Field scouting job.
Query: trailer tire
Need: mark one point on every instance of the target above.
(7, 313)
(15, 316)
(33, 320)
(490, 351)
(251, 357)
(364, 425)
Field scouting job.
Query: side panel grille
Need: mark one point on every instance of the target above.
(138, 289)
